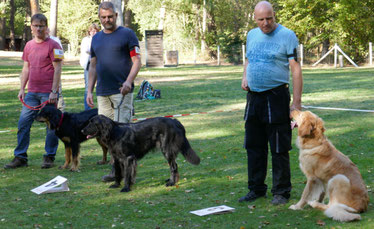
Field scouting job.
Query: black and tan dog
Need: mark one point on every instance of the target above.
(68, 128)
(128, 143)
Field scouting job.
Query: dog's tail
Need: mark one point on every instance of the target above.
(342, 212)
(187, 151)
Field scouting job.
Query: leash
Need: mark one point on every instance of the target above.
(60, 122)
(118, 108)
(36, 108)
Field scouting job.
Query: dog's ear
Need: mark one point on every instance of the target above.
(320, 125)
(307, 125)
(54, 116)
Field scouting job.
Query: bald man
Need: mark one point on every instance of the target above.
(271, 52)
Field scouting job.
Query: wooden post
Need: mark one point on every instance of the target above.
(194, 54)
(301, 54)
(335, 55)
(218, 56)
(371, 54)
(243, 50)
(341, 61)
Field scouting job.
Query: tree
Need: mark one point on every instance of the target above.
(53, 18)
(3, 7)
(73, 20)
(34, 7)
(349, 23)
(12, 45)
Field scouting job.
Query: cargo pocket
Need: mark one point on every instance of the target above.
(279, 106)
(280, 138)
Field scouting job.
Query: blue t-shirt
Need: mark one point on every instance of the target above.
(113, 61)
(268, 56)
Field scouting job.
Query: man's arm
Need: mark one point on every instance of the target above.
(92, 76)
(244, 79)
(136, 65)
(297, 82)
(24, 80)
(53, 97)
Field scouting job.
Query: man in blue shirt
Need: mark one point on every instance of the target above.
(115, 62)
(271, 51)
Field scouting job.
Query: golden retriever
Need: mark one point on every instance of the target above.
(327, 170)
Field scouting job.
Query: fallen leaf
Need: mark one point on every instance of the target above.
(320, 223)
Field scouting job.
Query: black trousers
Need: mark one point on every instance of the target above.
(267, 122)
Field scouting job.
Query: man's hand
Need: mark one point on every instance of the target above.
(21, 94)
(53, 97)
(245, 84)
(126, 88)
(89, 100)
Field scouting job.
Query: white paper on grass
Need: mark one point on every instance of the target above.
(57, 184)
(213, 210)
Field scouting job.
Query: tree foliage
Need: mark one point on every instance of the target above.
(74, 18)
(349, 23)
(189, 23)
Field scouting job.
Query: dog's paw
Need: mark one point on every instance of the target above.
(169, 183)
(115, 185)
(74, 170)
(62, 167)
(102, 162)
(125, 189)
(294, 207)
(313, 203)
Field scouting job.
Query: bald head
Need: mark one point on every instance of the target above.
(265, 17)
(263, 5)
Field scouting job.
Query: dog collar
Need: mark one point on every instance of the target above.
(60, 122)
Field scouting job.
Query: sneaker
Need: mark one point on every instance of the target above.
(47, 162)
(279, 199)
(110, 177)
(16, 163)
(251, 196)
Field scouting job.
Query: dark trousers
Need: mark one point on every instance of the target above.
(268, 123)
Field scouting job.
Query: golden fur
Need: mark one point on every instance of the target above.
(327, 171)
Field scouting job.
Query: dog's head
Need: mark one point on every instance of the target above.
(309, 124)
(50, 115)
(98, 126)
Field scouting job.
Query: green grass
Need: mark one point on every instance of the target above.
(216, 137)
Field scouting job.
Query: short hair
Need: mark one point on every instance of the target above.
(39, 17)
(106, 6)
(93, 26)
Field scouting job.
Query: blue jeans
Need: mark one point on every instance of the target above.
(24, 124)
(86, 107)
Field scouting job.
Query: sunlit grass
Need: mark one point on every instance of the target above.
(217, 137)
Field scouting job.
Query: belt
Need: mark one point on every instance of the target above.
(271, 90)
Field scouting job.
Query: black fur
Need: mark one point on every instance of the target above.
(128, 143)
(69, 131)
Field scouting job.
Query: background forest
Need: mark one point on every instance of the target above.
(203, 24)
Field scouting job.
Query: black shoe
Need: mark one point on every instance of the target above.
(47, 162)
(279, 199)
(16, 163)
(251, 196)
(110, 177)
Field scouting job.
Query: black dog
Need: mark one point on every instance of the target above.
(68, 128)
(128, 143)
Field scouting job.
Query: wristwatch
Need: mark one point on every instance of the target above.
(54, 91)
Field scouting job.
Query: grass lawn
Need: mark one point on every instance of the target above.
(217, 137)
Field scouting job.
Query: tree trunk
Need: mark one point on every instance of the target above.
(53, 18)
(26, 29)
(127, 15)
(325, 46)
(118, 8)
(34, 6)
(12, 45)
(203, 43)
(2, 29)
